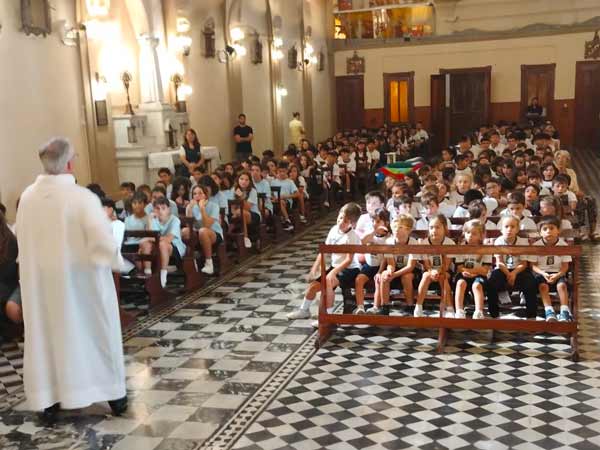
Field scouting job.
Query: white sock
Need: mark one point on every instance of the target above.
(330, 310)
(360, 307)
(565, 308)
(418, 307)
(163, 277)
(549, 308)
(305, 306)
(208, 260)
(148, 271)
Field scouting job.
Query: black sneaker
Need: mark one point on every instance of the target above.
(385, 310)
(118, 406)
(48, 416)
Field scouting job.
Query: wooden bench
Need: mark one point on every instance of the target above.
(327, 322)
(151, 283)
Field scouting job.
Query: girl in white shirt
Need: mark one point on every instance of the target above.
(436, 267)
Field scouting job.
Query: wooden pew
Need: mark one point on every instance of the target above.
(327, 322)
(194, 279)
(151, 283)
(237, 237)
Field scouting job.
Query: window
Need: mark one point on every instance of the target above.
(398, 89)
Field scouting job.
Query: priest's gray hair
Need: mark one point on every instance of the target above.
(55, 155)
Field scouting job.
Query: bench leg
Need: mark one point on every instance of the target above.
(156, 292)
(325, 332)
(193, 278)
(224, 262)
(442, 339)
(241, 248)
(574, 348)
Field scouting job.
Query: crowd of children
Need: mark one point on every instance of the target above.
(494, 185)
(498, 179)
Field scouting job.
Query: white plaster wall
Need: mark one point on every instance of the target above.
(40, 97)
(505, 57)
(208, 106)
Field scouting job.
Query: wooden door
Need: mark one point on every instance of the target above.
(587, 105)
(349, 92)
(469, 100)
(438, 110)
(537, 81)
(399, 97)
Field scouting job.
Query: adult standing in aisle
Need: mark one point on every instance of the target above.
(243, 136)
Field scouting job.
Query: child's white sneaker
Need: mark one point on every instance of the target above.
(478, 314)
(208, 268)
(418, 311)
(299, 314)
(459, 314)
(247, 242)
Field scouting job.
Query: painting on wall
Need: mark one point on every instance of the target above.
(592, 48)
(35, 17)
(355, 65)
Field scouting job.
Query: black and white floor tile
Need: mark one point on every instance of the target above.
(224, 369)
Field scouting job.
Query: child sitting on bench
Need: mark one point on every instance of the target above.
(344, 266)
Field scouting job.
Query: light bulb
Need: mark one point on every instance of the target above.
(237, 34)
(277, 42)
(277, 55)
(240, 49)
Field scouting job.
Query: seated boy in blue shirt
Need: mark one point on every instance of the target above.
(158, 192)
(170, 244)
(262, 187)
(287, 194)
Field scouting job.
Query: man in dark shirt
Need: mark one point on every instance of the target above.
(243, 135)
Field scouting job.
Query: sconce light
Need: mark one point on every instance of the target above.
(281, 91)
(237, 34)
(240, 49)
(184, 44)
(68, 34)
(226, 55)
(293, 57)
(126, 79)
(183, 25)
(97, 7)
(277, 55)
(99, 96)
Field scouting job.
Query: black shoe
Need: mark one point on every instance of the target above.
(385, 310)
(48, 417)
(119, 406)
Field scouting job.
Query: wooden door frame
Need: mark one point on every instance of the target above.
(524, 99)
(337, 109)
(579, 98)
(487, 88)
(411, 95)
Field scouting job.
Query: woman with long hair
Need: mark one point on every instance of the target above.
(190, 154)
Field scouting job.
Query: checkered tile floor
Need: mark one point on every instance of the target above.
(189, 370)
(224, 369)
(382, 388)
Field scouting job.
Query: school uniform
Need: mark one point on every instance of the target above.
(400, 260)
(212, 209)
(263, 187)
(134, 223)
(551, 264)
(472, 262)
(287, 188)
(456, 197)
(524, 281)
(435, 261)
(172, 205)
(364, 225)
(336, 237)
(373, 260)
(173, 227)
(447, 208)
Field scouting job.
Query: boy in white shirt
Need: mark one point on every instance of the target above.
(550, 271)
(347, 166)
(374, 200)
(462, 183)
(516, 207)
(344, 267)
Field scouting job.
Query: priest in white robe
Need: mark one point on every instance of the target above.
(73, 346)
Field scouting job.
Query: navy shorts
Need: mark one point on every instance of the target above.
(369, 271)
(539, 279)
(346, 277)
